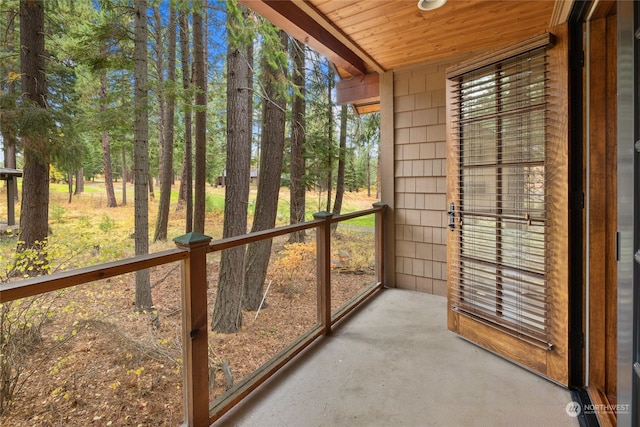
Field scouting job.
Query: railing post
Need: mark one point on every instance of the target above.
(323, 245)
(379, 241)
(195, 342)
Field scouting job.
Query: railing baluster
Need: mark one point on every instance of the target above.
(195, 345)
(323, 244)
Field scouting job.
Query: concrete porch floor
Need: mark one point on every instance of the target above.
(394, 363)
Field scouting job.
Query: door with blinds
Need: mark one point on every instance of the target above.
(508, 204)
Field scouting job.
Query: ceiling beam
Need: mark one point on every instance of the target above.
(328, 25)
(359, 90)
(286, 15)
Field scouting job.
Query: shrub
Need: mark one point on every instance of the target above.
(21, 322)
(295, 263)
(57, 212)
(106, 224)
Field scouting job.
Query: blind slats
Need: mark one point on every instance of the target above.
(500, 122)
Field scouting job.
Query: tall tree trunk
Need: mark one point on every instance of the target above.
(9, 138)
(166, 166)
(34, 215)
(10, 162)
(342, 154)
(79, 181)
(377, 176)
(186, 176)
(271, 153)
(160, 95)
(70, 175)
(298, 187)
(152, 195)
(106, 147)
(124, 176)
(200, 80)
(143, 299)
(227, 314)
(330, 78)
(369, 176)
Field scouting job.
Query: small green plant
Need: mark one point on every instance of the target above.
(106, 224)
(57, 213)
(84, 222)
(213, 204)
(30, 261)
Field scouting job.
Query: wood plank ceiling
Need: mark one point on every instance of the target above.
(373, 36)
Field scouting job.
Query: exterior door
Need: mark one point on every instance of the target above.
(602, 205)
(508, 251)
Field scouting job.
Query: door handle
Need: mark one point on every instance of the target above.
(451, 213)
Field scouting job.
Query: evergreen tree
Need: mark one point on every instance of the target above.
(143, 299)
(298, 133)
(200, 83)
(166, 163)
(34, 215)
(227, 315)
(273, 78)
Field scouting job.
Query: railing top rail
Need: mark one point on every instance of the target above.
(230, 242)
(357, 214)
(244, 239)
(65, 279)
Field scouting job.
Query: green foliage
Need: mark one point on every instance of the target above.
(106, 224)
(214, 204)
(9, 116)
(56, 212)
(30, 260)
(55, 175)
(274, 61)
(240, 30)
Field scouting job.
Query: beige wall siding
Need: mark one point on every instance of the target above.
(420, 179)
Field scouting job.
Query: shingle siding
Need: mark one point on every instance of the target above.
(420, 179)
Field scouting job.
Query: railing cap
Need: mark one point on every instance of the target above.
(322, 215)
(192, 238)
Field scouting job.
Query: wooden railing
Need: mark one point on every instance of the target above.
(192, 250)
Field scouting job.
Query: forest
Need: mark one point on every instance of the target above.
(179, 102)
(150, 93)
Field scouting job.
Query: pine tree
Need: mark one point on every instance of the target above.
(227, 315)
(34, 215)
(298, 136)
(143, 299)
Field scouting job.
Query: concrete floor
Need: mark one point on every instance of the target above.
(393, 363)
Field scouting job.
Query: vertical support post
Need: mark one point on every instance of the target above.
(195, 342)
(379, 241)
(323, 245)
(11, 198)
